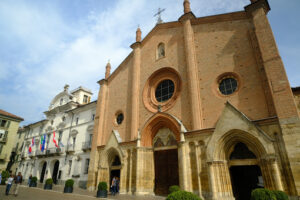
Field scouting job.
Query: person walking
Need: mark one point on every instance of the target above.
(117, 185)
(113, 185)
(9, 184)
(18, 181)
(29, 180)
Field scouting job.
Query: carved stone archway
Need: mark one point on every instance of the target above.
(219, 163)
(161, 132)
(157, 122)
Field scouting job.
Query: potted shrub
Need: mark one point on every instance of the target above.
(69, 186)
(173, 188)
(262, 194)
(5, 175)
(48, 184)
(182, 195)
(102, 190)
(33, 182)
(280, 195)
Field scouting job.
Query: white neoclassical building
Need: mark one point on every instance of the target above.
(70, 118)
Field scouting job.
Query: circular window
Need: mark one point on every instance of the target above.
(228, 85)
(164, 90)
(120, 118)
(161, 90)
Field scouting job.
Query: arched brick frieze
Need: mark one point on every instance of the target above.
(156, 122)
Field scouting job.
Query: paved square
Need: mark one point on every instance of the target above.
(26, 193)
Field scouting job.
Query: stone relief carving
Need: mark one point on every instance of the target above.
(164, 137)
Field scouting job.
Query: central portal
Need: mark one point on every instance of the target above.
(244, 180)
(166, 170)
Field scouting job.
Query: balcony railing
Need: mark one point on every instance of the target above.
(54, 151)
(86, 145)
(25, 155)
(40, 153)
(71, 148)
(3, 139)
(3, 156)
(32, 154)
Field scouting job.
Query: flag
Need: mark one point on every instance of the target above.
(61, 144)
(32, 144)
(43, 143)
(54, 141)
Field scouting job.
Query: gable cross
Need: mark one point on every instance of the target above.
(158, 14)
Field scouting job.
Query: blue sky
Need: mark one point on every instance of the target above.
(45, 44)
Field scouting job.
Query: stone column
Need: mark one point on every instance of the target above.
(220, 183)
(274, 173)
(212, 182)
(282, 96)
(192, 71)
(183, 176)
(135, 86)
(98, 135)
(139, 171)
(198, 161)
(130, 173)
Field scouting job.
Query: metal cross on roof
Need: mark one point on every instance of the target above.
(158, 14)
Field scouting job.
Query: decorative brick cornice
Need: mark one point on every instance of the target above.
(102, 81)
(135, 45)
(186, 16)
(258, 4)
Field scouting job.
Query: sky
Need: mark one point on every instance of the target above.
(45, 44)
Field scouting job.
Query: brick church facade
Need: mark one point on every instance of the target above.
(203, 103)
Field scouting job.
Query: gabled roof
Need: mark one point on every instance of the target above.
(7, 114)
(239, 15)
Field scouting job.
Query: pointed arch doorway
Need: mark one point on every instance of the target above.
(245, 173)
(165, 161)
(115, 169)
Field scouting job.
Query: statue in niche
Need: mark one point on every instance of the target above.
(161, 50)
(158, 143)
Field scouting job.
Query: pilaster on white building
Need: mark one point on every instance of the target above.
(58, 147)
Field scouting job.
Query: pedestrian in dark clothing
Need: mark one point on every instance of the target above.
(113, 185)
(29, 180)
(18, 181)
(117, 184)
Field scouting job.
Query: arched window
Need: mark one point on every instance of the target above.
(241, 151)
(161, 50)
(116, 161)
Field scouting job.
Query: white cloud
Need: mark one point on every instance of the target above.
(51, 51)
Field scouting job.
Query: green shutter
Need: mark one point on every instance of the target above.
(5, 135)
(8, 123)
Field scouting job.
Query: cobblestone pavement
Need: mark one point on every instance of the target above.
(26, 193)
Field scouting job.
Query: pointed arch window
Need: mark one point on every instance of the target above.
(116, 161)
(241, 151)
(160, 50)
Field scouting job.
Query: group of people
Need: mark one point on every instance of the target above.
(115, 185)
(15, 180)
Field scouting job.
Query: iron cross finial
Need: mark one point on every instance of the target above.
(158, 14)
